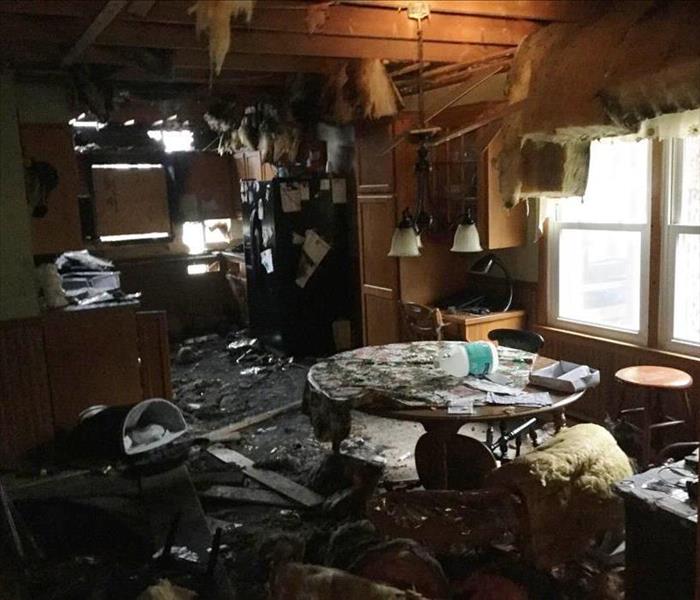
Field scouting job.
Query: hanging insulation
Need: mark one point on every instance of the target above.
(360, 89)
(286, 145)
(378, 97)
(214, 17)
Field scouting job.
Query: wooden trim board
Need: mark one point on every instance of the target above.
(270, 479)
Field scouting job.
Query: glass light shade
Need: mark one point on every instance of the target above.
(419, 242)
(404, 243)
(466, 239)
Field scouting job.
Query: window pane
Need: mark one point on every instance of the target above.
(599, 277)
(618, 185)
(686, 301)
(686, 205)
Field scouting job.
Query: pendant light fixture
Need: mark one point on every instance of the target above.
(467, 236)
(404, 242)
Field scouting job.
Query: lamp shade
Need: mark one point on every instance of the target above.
(466, 239)
(404, 242)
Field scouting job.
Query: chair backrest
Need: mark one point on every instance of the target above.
(521, 339)
(422, 322)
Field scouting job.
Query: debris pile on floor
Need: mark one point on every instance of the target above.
(258, 508)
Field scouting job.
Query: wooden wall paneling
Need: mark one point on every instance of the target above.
(26, 420)
(59, 229)
(608, 357)
(154, 354)
(93, 358)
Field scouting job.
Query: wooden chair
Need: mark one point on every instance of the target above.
(529, 341)
(422, 322)
(521, 339)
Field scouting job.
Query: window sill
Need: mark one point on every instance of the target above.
(632, 346)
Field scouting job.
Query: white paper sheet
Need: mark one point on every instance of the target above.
(313, 252)
(305, 191)
(340, 192)
(291, 197)
(266, 260)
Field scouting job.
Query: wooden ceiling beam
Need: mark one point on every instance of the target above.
(202, 76)
(108, 13)
(142, 34)
(160, 35)
(538, 10)
(367, 21)
(199, 59)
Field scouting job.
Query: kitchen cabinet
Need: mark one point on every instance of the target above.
(59, 229)
(249, 165)
(499, 227)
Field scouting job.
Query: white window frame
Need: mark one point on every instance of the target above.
(669, 238)
(555, 229)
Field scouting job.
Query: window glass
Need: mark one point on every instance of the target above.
(686, 202)
(618, 185)
(600, 277)
(686, 298)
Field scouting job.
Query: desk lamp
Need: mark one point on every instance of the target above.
(484, 265)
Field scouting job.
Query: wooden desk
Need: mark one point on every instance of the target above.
(469, 327)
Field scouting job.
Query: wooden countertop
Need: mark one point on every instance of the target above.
(472, 319)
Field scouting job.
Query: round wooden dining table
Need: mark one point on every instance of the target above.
(403, 381)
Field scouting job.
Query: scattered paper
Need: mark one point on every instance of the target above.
(291, 197)
(488, 386)
(534, 399)
(460, 406)
(305, 191)
(313, 252)
(297, 239)
(340, 193)
(266, 260)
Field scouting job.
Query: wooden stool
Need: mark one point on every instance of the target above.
(653, 382)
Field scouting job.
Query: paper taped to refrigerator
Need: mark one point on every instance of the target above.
(313, 252)
(290, 195)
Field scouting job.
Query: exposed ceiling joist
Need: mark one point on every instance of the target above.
(199, 59)
(159, 35)
(540, 10)
(142, 34)
(140, 8)
(367, 21)
(103, 19)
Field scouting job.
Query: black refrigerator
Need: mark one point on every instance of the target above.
(295, 235)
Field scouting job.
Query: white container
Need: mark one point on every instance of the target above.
(472, 358)
(563, 376)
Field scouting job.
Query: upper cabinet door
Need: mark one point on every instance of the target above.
(210, 180)
(499, 227)
(375, 169)
(58, 229)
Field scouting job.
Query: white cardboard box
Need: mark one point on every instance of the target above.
(567, 377)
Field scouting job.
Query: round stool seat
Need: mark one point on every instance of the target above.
(655, 377)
